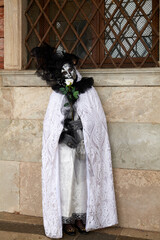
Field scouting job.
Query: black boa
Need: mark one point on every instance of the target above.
(82, 86)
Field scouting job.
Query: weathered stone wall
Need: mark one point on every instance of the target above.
(131, 101)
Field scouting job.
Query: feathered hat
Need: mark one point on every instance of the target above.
(50, 62)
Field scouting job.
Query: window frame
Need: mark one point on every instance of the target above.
(132, 60)
(15, 55)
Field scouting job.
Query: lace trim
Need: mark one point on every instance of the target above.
(75, 216)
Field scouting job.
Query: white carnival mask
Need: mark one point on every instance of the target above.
(68, 71)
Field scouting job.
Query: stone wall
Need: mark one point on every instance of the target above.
(131, 104)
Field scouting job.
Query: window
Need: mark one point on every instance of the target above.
(104, 34)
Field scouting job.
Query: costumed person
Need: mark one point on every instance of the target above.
(77, 180)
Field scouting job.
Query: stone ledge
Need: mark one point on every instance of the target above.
(20, 218)
(102, 77)
(14, 226)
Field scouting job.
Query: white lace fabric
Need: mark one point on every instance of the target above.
(73, 189)
(101, 206)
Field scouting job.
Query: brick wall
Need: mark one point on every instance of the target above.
(1, 34)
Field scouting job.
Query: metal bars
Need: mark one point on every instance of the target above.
(104, 33)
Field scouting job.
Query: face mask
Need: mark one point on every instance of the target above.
(68, 72)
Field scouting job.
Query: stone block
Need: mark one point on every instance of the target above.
(31, 102)
(9, 186)
(9, 235)
(23, 78)
(131, 104)
(6, 103)
(138, 194)
(135, 145)
(30, 189)
(20, 140)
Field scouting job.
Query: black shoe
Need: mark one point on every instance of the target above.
(69, 229)
(81, 229)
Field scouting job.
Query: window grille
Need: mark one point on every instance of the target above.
(104, 33)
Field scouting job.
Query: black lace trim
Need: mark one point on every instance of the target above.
(75, 216)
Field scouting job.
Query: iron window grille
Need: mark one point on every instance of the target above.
(104, 33)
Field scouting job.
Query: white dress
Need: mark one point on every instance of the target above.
(73, 187)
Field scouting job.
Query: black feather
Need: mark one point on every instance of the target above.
(49, 64)
(84, 84)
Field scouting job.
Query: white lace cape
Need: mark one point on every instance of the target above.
(101, 205)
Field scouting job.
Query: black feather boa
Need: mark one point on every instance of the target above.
(81, 86)
(84, 84)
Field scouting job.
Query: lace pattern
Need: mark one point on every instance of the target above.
(73, 188)
(101, 205)
(75, 216)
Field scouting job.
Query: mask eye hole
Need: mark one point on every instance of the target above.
(64, 73)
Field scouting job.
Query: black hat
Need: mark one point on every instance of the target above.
(49, 64)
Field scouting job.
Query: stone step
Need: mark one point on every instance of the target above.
(7, 235)
(24, 227)
(20, 218)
